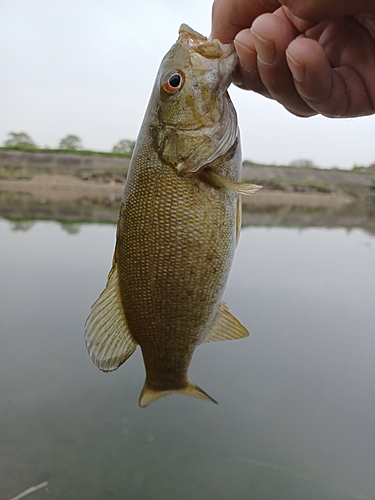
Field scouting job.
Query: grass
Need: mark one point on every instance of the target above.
(356, 168)
(10, 172)
(83, 152)
(30, 166)
(296, 185)
(89, 152)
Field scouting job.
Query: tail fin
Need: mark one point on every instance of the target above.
(149, 395)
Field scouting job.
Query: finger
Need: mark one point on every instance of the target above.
(247, 76)
(336, 93)
(319, 10)
(230, 17)
(272, 35)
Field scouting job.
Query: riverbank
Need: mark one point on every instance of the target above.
(89, 188)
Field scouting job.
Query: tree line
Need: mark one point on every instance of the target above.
(71, 142)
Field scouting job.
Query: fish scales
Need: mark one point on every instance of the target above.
(180, 268)
(178, 225)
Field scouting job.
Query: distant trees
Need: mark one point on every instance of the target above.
(302, 163)
(19, 140)
(123, 146)
(71, 142)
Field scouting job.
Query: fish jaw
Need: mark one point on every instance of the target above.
(211, 49)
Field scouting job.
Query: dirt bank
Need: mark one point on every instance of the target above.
(67, 198)
(66, 187)
(79, 188)
(107, 169)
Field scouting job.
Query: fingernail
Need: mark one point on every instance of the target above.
(266, 50)
(298, 70)
(237, 79)
(247, 58)
(244, 46)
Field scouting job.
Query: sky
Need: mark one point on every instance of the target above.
(87, 67)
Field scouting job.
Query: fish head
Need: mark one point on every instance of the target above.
(194, 119)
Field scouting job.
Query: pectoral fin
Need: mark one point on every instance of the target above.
(107, 335)
(238, 187)
(225, 327)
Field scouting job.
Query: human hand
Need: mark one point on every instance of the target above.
(312, 56)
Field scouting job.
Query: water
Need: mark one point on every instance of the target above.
(296, 418)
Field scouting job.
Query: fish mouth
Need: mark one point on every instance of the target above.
(194, 38)
(210, 49)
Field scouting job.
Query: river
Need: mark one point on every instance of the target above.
(296, 413)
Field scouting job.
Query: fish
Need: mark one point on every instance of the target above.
(179, 224)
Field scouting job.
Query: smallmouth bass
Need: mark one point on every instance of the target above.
(178, 226)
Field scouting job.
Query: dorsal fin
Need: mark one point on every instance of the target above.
(225, 327)
(107, 335)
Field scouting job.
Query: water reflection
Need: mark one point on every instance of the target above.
(26, 225)
(297, 399)
(70, 227)
(22, 225)
(102, 206)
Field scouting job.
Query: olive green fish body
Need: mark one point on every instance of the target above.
(175, 249)
(178, 225)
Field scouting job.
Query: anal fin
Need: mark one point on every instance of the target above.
(107, 335)
(225, 327)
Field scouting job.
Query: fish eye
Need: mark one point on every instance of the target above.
(173, 82)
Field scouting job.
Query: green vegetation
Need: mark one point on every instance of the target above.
(303, 186)
(307, 165)
(21, 141)
(124, 146)
(359, 169)
(71, 143)
(294, 185)
(302, 163)
(83, 152)
(10, 172)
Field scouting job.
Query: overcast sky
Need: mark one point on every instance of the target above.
(86, 67)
